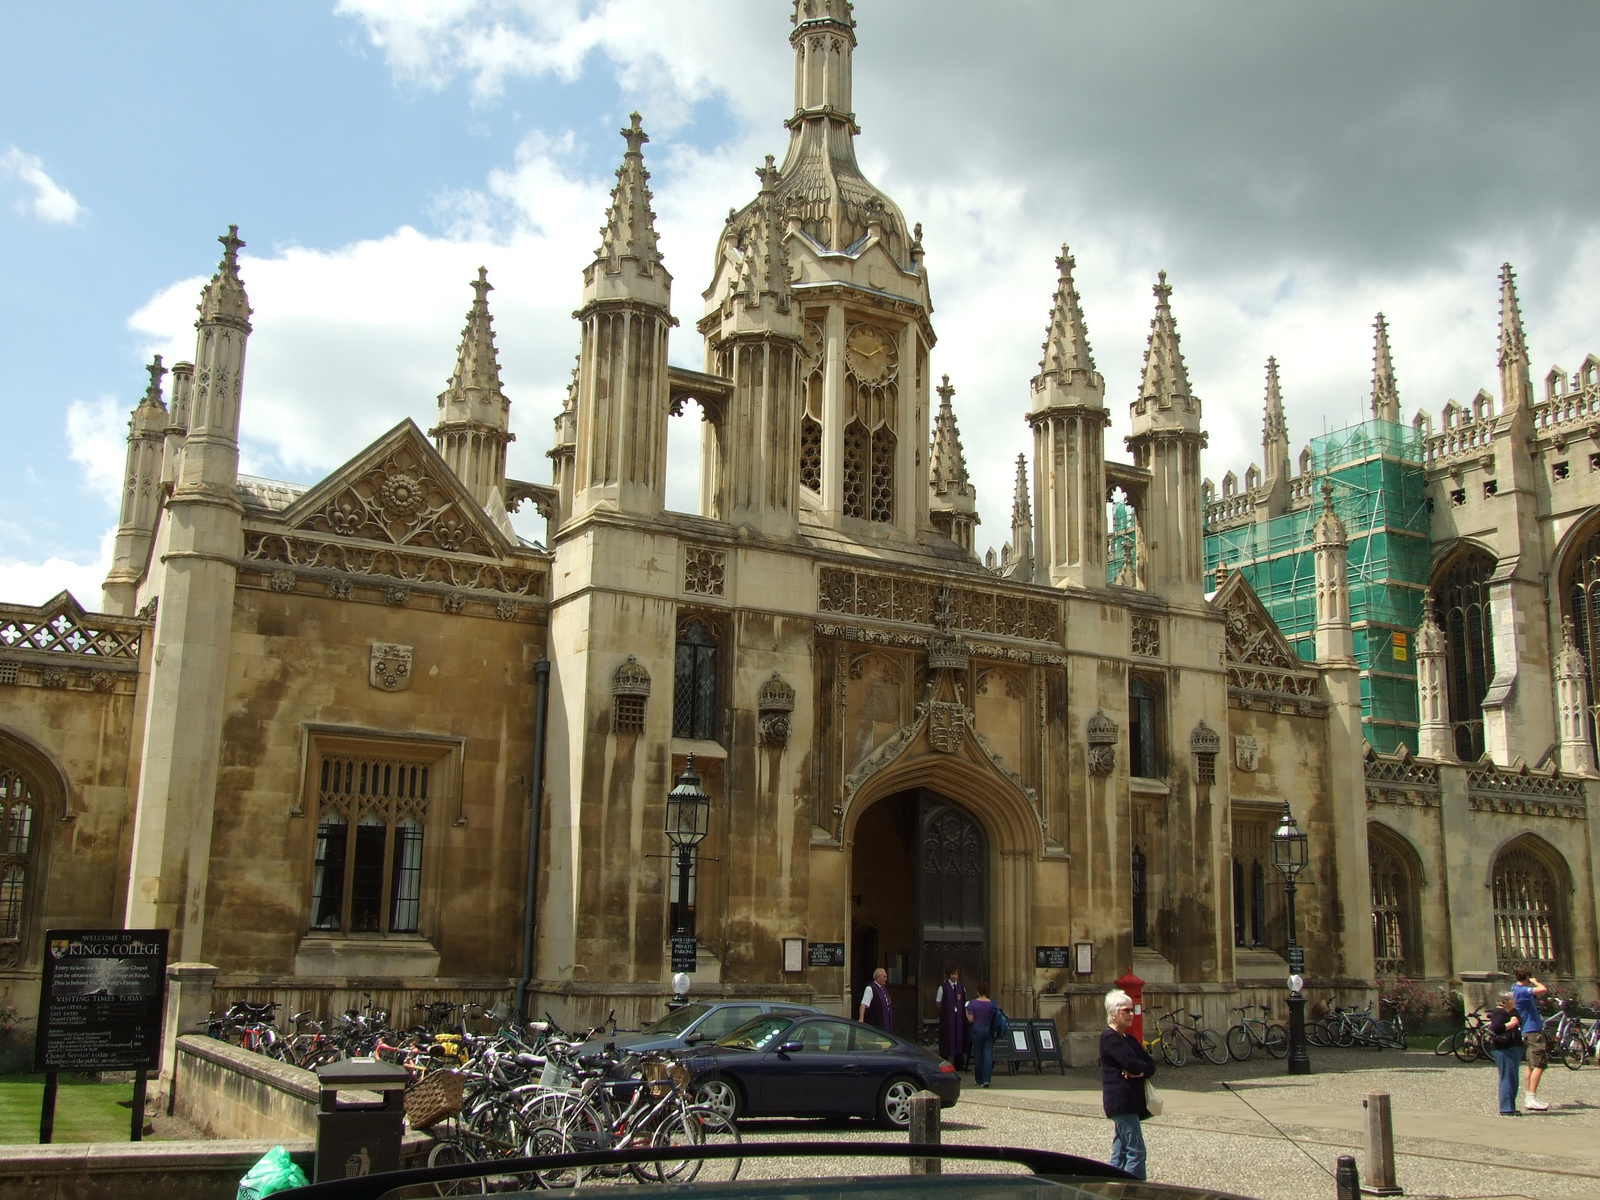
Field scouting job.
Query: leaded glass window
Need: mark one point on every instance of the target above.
(367, 871)
(694, 694)
(1392, 907)
(1462, 594)
(1583, 597)
(1526, 911)
(17, 835)
(1143, 741)
(1238, 903)
(855, 470)
(1258, 904)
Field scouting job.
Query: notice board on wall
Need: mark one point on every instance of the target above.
(102, 1000)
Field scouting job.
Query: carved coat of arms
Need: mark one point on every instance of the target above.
(391, 667)
(947, 725)
(1246, 753)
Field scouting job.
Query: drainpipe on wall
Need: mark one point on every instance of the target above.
(541, 710)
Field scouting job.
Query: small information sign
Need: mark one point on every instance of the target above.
(1047, 1044)
(825, 954)
(684, 952)
(1052, 958)
(1297, 959)
(102, 1000)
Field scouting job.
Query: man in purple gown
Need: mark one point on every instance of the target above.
(875, 1007)
(954, 1032)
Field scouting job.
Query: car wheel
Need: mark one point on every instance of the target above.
(719, 1094)
(894, 1102)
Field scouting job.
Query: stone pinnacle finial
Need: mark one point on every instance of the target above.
(1385, 392)
(1066, 372)
(1021, 506)
(948, 462)
(630, 228)
(152, 393)
(223, 301)
(1166, 378)
(477, 364)
(1513, 343)
(1274, 427)
(768, 174)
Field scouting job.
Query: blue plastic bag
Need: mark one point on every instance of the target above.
(275, 1172)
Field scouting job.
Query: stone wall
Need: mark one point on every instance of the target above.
(137, 1170)
(229, 1092)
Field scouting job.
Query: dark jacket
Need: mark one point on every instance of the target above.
(1121, 1052)
(1505, 1035)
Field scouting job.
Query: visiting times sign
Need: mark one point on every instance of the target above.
(101, 1000)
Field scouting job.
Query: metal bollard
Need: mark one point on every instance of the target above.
(1380, 1146)
(924, 1131)
(1347, 1180)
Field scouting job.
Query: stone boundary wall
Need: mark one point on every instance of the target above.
(136, 1170)
(229, 1092)
(328, 999)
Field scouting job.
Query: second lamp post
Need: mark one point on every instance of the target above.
(688, 819)
(1290, 854)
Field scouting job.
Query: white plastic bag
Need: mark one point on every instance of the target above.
(1153, 1100)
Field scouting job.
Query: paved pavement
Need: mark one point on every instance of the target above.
(1277, 1137)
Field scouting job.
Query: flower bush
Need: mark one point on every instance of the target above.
(1415, 1002)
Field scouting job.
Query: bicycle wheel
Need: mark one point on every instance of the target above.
(1240, 1043)
(1573, 1051)
(1343, 1034)
(1212, 1046)
(547, 1139)
(1468, 1049)
(1174, 1050)
(1277, 1041)
(1448, 1045)
(693, 1126)
(453, 1153)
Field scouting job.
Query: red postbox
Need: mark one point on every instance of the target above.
(1134, 986)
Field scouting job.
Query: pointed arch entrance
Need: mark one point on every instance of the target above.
(920, 877)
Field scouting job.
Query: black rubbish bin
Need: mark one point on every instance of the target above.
(360, 1138)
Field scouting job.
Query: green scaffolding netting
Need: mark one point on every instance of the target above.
(1380, 493)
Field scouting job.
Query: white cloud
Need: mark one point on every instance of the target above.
(34, 583)
(51, 202)
(97, 432)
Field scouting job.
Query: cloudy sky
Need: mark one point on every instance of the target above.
(1294, 167)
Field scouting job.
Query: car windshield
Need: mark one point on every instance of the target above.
(676, 1021)
(758, 1034)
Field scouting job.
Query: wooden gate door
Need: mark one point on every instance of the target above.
(952, 902)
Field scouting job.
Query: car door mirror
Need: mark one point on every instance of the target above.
(791, 1047)
(693, 1038)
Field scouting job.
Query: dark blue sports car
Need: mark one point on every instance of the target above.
(781, 1065)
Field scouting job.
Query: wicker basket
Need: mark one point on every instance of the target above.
(438, 1096)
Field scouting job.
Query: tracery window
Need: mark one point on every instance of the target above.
(1258, 904)
(694, 695)
(1527, 912)
(1238, 903)
(1144, 758)
(18, 835)
(367, 869)
(1583, 599)
(1393, 910)
(811, 414)
(855, 471)
(1462, 594)
(1141, 909)
(872, 398)
(1250, 883)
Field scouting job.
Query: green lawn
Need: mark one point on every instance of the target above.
(85, 1112)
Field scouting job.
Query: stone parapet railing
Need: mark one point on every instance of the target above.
(229, 1092)
(137, 1170)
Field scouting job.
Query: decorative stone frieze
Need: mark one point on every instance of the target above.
(774, 704)
(61, 627)
(386, 564)
(703, 570)
(390, 669)
(281, 581)
(396, 595)
(913, 601)
(338, 589)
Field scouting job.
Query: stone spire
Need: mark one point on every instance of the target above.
(223, 328)
(1515, 381)
(1274, 428)
(474, 413)
(1066, 372)
(1335, 639)
(1019, 565)
(1572, 704)
(564, 451)
(1165, 383)
(759, 299)
(1433, 732)
(223, 302)
(953, 501)
(622, 374)
(141, 497)
(629, 234)
(1385, 394)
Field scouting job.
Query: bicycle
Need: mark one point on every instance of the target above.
(1178, 1039)
(1250, 1032)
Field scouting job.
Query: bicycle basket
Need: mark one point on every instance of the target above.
(662, 1077)
(438, 1096)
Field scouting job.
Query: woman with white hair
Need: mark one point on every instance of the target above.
(1124, 1066)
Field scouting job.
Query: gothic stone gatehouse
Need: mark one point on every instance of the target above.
(303, 734)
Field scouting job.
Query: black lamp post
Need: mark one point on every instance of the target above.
(1290, 855)
(688, 819)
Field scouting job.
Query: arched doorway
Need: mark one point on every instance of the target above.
(919, 901)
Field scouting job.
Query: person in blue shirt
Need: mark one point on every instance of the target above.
(1536, 1050)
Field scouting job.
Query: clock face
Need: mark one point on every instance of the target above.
(870, 354)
